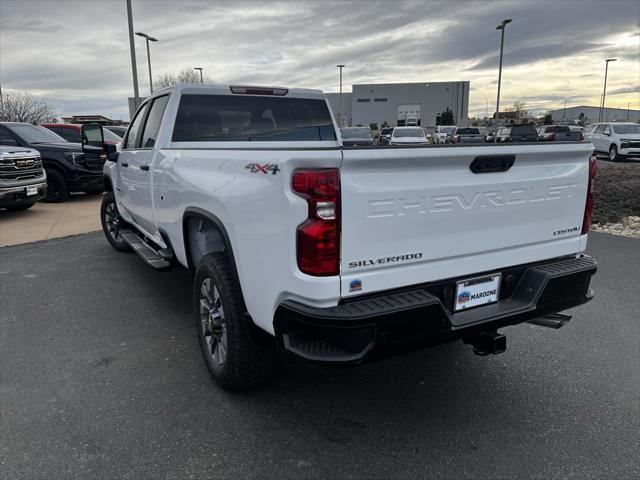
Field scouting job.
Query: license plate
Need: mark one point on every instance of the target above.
(32, 191)
(474, 292)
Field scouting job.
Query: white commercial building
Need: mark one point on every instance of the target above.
(398, 104)
(591, 114)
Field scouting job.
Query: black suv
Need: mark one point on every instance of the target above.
(518, 133)
(68, 168)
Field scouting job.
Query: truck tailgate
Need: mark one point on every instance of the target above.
(414, 215)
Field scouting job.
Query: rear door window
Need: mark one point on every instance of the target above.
(136, 128)
(233, 118)
(152, 127)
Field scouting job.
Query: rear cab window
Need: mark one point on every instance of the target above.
(523, 130)
(247, 118)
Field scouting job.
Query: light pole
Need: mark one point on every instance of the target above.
(604, 91)
(132, 48)
(340, 97)
(200, 70)
(149, 39)
(501, 27)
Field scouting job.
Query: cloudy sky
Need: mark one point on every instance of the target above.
(75, 54)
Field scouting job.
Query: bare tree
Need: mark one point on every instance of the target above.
(521, 111)
(187, 75)
(22, 107)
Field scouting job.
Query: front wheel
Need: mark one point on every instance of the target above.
(614, 156)
(57, 190)
(238, 355)
(112, 223)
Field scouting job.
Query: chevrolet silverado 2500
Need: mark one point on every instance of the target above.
(334, 253)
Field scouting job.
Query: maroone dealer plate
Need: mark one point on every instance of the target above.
(474, 292)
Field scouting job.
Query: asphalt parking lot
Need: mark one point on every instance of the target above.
(101, 377)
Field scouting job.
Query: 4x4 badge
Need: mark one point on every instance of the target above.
(263, 168)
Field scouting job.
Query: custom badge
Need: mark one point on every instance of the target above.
(355, 285)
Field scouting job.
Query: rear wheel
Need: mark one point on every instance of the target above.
(238, 355)
(112, 223)
(57, 190)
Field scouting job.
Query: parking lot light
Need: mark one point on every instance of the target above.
(501, 27)
(340, 122)
(604, 91)
(148, 39)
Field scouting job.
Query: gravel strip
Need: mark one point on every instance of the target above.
(616, 199)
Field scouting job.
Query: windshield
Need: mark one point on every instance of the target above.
(447, 129)
(408, 132)
(119, 132)
(356, 133)
(557, 129)
(635, 128)
(468, 131)
(109, 136)
(35, 133)
(387, 131)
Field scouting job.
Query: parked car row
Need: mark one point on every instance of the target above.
(618, 140)
(50, 158)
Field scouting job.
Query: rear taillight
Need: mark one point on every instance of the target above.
(581, 136)
(588, 209)
(318, 238)
(553, 137)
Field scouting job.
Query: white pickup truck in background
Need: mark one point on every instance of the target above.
(336, 254)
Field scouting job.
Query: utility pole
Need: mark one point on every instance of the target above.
(149, 39)
(200, 70)
(500, 27)
(340, 122)
(604, 90)
(564, 112)
(628, 105)
(132, 48)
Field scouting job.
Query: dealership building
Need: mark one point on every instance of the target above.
(400, 104)
(591, 114)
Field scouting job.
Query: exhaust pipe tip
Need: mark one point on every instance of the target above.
(488, 343)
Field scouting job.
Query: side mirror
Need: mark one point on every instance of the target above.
(92, 136)
(111, 151)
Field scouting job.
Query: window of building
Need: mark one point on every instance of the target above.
(379, 99)
(364, 100)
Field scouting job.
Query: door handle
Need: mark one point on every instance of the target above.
(144, 167)
(125, 165)
(492, 163)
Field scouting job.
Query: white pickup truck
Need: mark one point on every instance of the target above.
(337, 254)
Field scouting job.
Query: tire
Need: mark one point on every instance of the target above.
(614, 156)
(238, 354)
(112, 223)
(57, 190)
(20, 208)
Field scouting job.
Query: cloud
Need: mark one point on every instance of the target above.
(80, 61)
